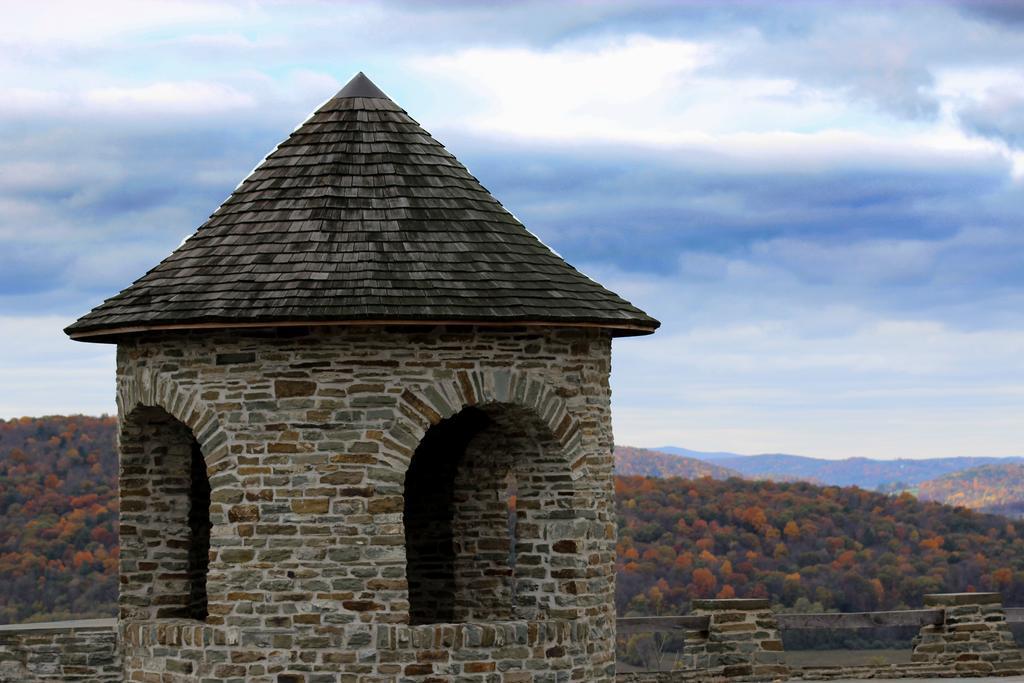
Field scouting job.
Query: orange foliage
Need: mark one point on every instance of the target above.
(1002, 578)
(848, 549)
(704, 582)
(58, 517)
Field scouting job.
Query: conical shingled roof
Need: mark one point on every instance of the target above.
(360, 217)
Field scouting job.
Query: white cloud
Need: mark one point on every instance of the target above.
(180, 98)
(825, 431)
(579, 77)
(226, 41)
(799, 346)
(878, 388)
(14, 211)
(71, 22)
(576, 91)
(42, 372)
(114, 268)
(22, 101)
(158, 100)
(874, 261)
(672, 95)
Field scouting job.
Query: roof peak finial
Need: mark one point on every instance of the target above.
(361, 86)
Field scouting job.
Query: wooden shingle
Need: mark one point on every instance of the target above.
(360, 216)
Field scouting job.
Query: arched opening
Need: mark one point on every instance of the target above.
(165, 518)
(484, 493)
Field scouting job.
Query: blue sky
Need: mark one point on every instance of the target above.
(822, 202)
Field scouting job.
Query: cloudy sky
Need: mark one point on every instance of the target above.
(822, 202)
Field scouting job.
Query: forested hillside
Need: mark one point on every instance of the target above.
(844, 548)
(58, 518)
(642, 462)
(994, 488)
(847, 549)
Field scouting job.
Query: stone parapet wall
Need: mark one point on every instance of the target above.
(963, 635)
(973, 637)
(65, 651)
(470, 652)
(742, 640)
(538, 651)
(886, 671)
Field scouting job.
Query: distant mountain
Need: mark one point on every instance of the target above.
(709, 456)
(992, 488)
(642, 462)
(866, 473)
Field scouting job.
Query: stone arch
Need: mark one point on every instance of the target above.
(419, 410)
(147, 387)
(476, 444)
(168, 439)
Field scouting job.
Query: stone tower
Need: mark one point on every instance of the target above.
(364, 428)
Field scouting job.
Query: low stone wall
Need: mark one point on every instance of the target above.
(962, 635)
(553, 649)
(742, 640)
(517, 651)
(84, 650)
(970, 639)
(974, 636)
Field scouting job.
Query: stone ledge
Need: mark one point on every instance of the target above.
(864, 672)
(73, 625)
(956, 599)
(482, 635)
(738, 604)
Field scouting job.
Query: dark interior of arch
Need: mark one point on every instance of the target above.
(165, 518)
(428, 515)
(199, 537)
(473, 554)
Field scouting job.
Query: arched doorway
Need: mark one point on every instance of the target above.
(482, 492)
(165, 518)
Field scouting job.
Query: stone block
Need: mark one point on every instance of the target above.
(287, 388)
(308, 506)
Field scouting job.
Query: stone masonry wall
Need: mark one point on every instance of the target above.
(742, 640)
(73, 651)
(973, 638)
(308, 436)
(483, 574)
(963, 635)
